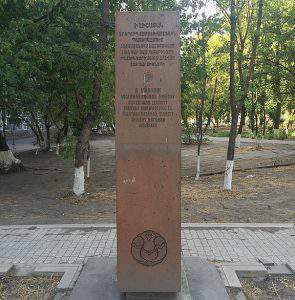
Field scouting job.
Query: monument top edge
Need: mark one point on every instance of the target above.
(148, 12)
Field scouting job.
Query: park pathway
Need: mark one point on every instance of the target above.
(249, 140)
(75, 243)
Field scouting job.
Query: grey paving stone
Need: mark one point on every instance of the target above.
(217, 242)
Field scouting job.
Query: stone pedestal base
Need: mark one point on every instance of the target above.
(98, 281)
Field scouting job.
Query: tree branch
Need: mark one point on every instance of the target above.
(222, 9)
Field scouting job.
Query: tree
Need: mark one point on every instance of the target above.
(90, 116)
(276, 58)
(197, 72)
(8, 161)
(57, 67)
(232, 100)
(207, 27)
(246, 77)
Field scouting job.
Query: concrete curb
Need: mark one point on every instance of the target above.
(183, 225)
(230, 272)
(5, 268)
(236, 225)
(71, 273)
(291, 266)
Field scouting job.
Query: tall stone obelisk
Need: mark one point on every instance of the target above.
(148, 151)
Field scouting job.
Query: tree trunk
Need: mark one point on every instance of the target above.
(242, 86)
(3, 143)
(262, 113)
(278, 95)
(187, 128)
(242, 123)
(254, 111)
(232, 101)
(3, 114)
(113, 128)
(62, 133)
(277, 116)
(264, 120)
(47, 129)
(81, 148)
(252, 114)
(211, 106)
(201, 109)
(245, 83)
(88, 161)
(7, 159)
(84, 136)
(256, 124)
(34, 125)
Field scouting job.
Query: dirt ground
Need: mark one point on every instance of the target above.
(28, 288)
(42, 193)
(272, 287)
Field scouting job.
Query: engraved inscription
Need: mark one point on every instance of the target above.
(148, 45)
(147, 106)
(149, 48)
(149, 248)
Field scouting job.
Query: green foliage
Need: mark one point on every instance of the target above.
(49, 58)
(67, 150)
(188, 133)
(219, 133)
(279, 134)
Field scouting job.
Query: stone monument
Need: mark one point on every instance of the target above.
(148, 264)
(148, 151)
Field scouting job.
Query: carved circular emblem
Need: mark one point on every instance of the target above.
(149, 248)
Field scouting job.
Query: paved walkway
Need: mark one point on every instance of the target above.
(60, 244)
(23, 144)
(249, 140)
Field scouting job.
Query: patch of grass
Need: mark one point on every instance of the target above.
(225, 133)
(270, 134)
(291, 134)
(192, 140)
(220, 133)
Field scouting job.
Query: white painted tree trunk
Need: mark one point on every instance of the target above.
(79, 181)
(7, 160)
(228, 176)
(238, 141)
(198, 172)
(57, 149)
(88, 167)
(258, 143)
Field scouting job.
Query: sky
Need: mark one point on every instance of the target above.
(209, 9)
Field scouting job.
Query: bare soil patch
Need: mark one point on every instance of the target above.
(272, 287)
(42, 193)
(263, 195)
(28, 288)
